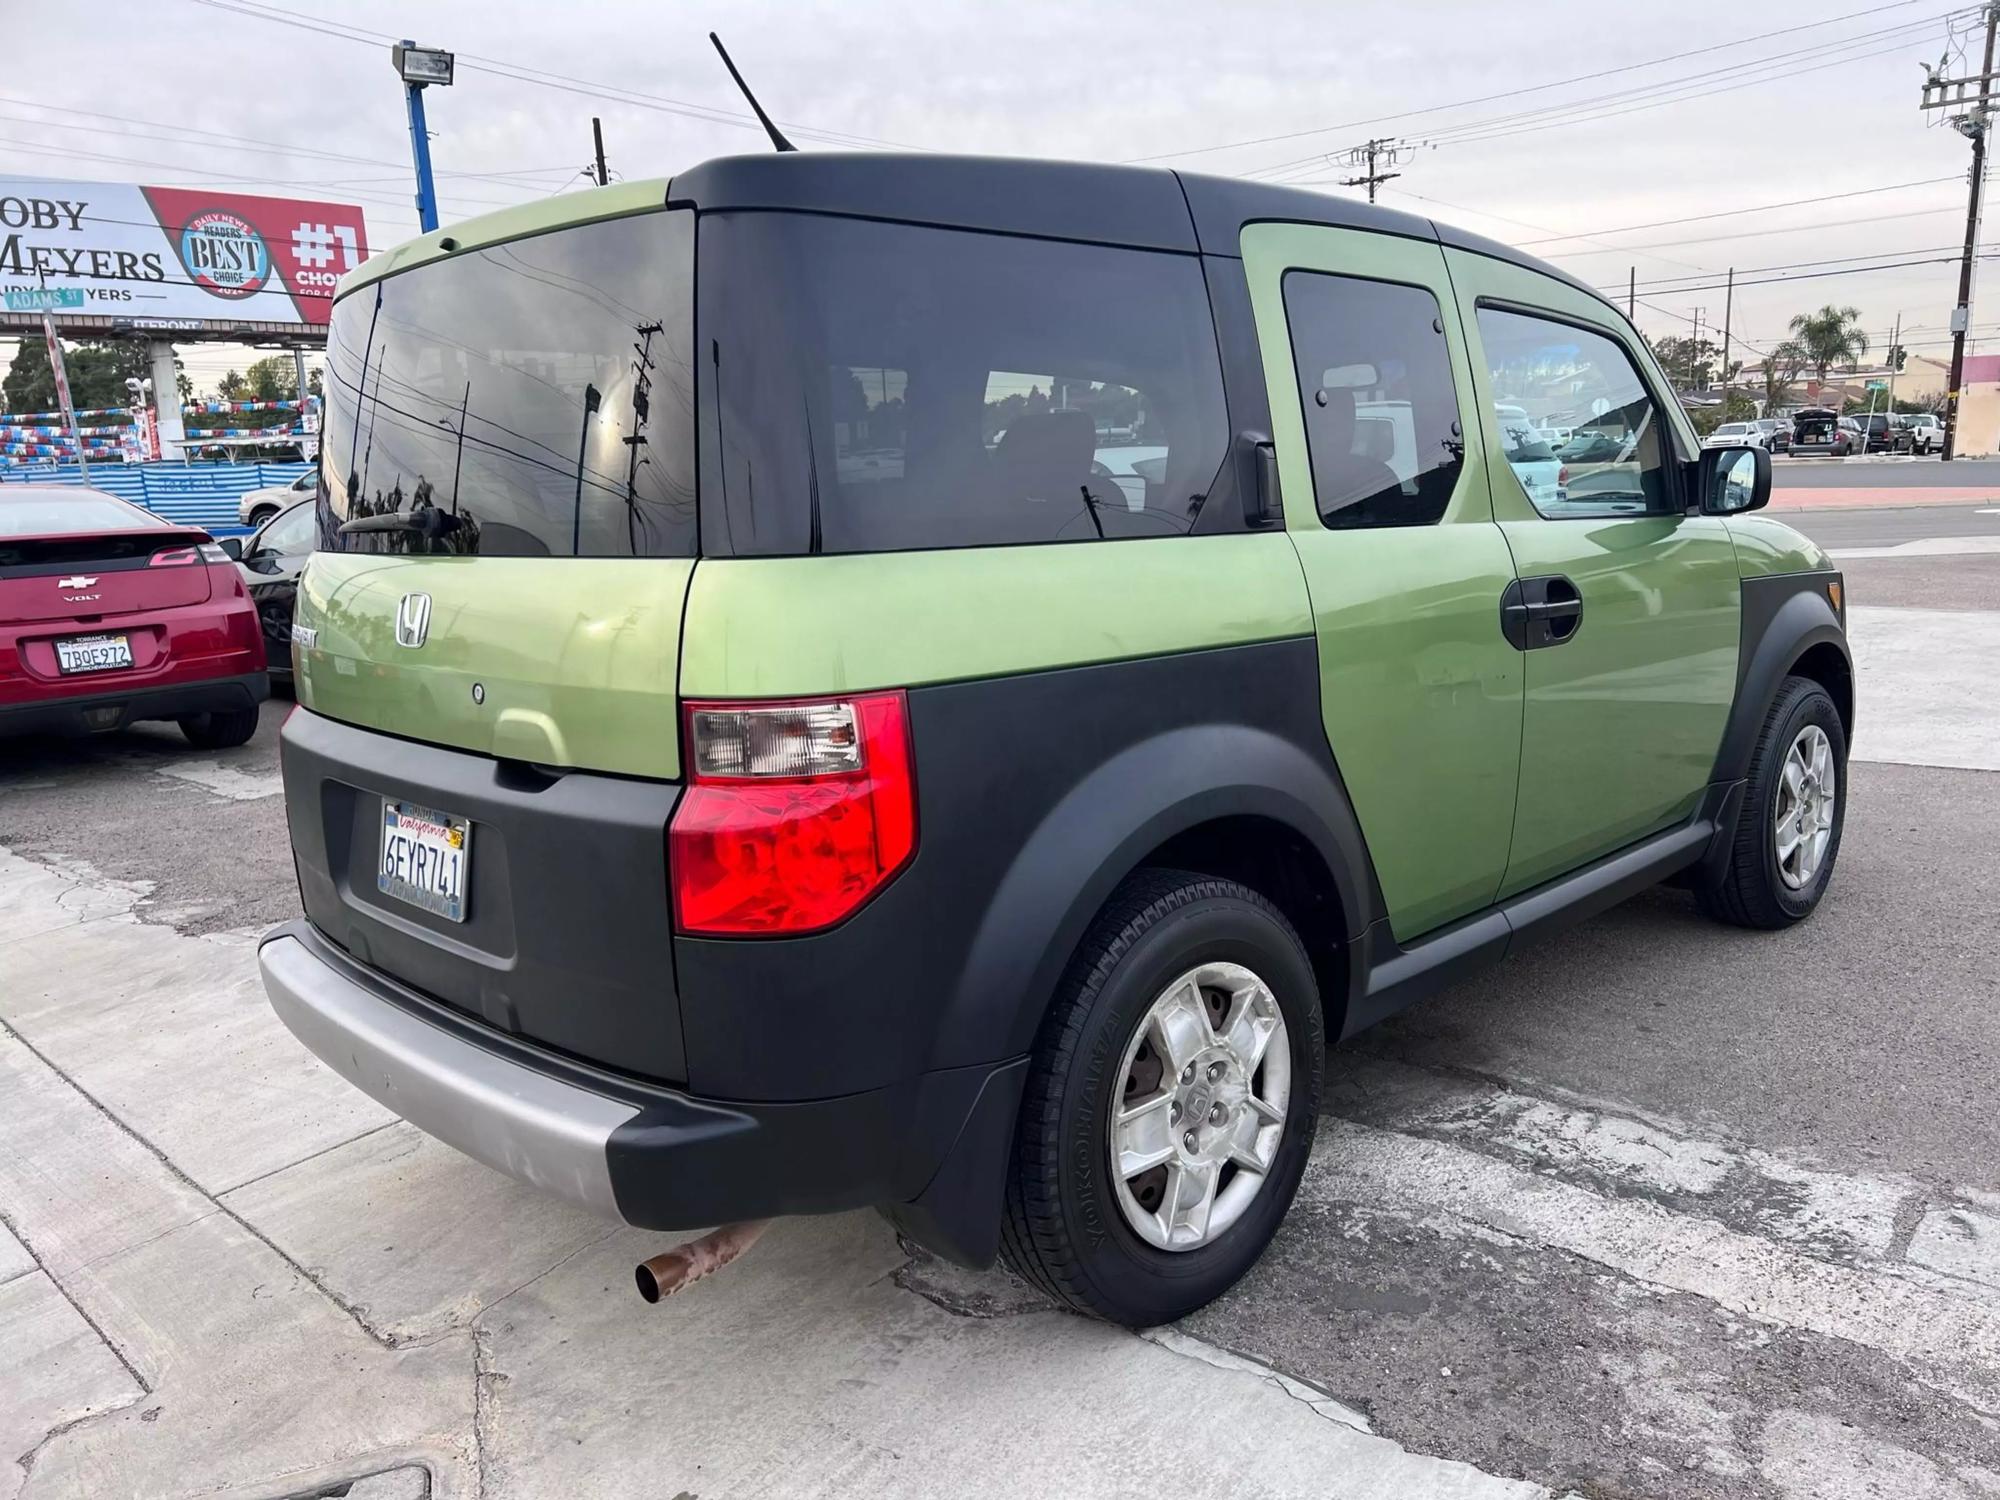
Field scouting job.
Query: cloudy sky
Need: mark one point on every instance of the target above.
(1782, 139)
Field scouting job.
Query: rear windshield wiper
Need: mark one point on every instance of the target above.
(429, 523)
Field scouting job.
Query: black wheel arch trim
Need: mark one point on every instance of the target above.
(1784, 616)
(1125, 808)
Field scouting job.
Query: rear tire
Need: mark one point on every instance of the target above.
(1237, 983)
(220, 729)
(1767, 884)
(260, 515)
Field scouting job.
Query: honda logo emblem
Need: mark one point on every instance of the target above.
(413, 620)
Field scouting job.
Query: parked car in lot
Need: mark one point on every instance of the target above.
(1777, 434)
(1542, 475)
(109, 615)
(1926, 431)
(1738, 435)
(1816, 430)
(1877, 432)
(258, 506)
(734, 834)
(270, 560)
(1592, 446)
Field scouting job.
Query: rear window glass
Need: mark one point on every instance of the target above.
(533, 399)
(880, 387)
(45, 514)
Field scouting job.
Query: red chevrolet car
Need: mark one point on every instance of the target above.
(109, 614)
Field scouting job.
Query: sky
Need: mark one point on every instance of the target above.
(1776, 135)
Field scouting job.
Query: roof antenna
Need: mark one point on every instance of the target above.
(777, 136)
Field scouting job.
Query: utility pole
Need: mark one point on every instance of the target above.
(1631, 292)
(61, 375)
(1389, 152)
(1728, 313)
(1944, 93)
(1895, 348)
(597, 138)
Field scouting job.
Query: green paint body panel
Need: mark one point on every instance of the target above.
(1622, 721)
(1420, 692)
(1766, 545)
(780, 627)
(576, 657)
(517, 222)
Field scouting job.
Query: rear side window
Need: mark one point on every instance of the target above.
(1375, 385)
(880, 387)
(40, 513)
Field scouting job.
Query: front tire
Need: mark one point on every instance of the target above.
(219, 729)
(1794, 807)
(1171, 1103)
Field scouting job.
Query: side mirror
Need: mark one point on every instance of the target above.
(233, 545)
(1729, 481)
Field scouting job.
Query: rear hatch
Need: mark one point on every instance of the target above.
(488, 635)
(93, 578)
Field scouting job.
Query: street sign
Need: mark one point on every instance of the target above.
(1878, 385)
(44, 299)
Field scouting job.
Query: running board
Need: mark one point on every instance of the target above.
(1398, 977)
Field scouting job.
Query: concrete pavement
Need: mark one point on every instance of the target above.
(1658, 1209)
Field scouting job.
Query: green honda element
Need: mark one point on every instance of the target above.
(944, 684)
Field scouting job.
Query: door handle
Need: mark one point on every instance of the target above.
(1536, 613)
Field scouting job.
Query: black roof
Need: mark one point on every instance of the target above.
(1150, 208)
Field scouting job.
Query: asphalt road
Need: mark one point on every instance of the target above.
(1585, 1220)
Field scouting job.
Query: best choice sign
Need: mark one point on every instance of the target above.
(176, 253)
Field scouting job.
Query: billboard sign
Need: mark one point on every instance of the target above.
(161, 255)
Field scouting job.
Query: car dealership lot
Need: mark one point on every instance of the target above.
(1659, 1208)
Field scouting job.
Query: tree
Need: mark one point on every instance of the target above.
(232, 386)
(97, 371)
(275, 378)
(1780, 368)
(1831, 336)
(1689, 362)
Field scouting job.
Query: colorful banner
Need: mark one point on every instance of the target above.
(142, 252)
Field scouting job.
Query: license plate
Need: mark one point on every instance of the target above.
(426, 859)
(94, 653)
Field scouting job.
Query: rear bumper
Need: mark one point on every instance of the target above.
(90, 713)
(652, 1157)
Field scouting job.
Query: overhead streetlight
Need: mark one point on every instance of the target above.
(419, 68)
(421, 65)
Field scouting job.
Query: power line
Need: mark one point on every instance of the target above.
(522, 73)
(1735, 213)
(1408, 114)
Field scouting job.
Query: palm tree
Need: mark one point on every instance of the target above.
(1831, 336)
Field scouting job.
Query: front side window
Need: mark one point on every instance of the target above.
(881, 387)
(530, 399)
(1558, 374)
(1375, 385)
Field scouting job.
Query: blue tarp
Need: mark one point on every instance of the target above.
(199, 494)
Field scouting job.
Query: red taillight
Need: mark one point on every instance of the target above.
(1562, 475)
(795, 813)
(175, 557)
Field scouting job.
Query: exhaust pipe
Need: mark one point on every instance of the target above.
(684, 1265)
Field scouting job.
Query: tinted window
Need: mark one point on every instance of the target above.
(1375, 384)
(1552, 371)
(535, 396)
(881, 386)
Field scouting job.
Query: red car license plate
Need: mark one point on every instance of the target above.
(94, 653)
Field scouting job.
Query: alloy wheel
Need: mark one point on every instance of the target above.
(1200, 1108)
